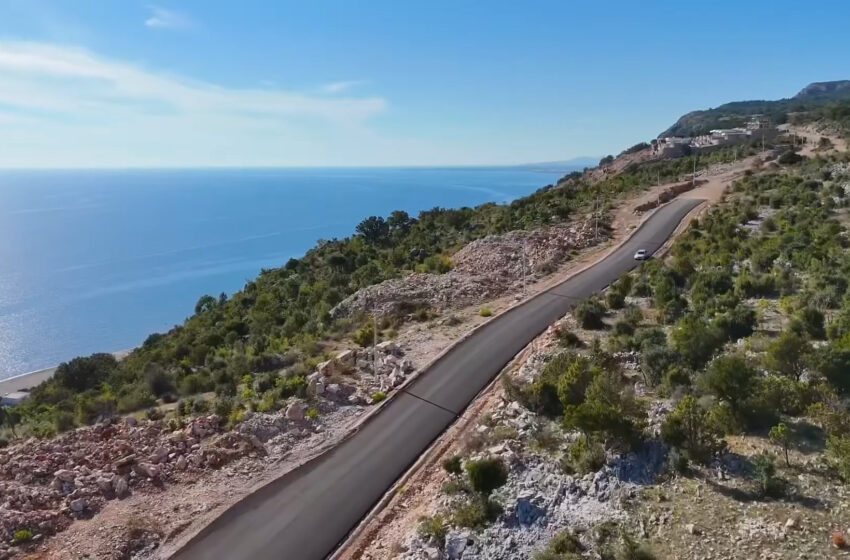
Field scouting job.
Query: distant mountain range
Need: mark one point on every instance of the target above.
(737, 113)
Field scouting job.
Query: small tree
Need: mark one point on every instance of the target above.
(780, 436)
(787, 355)
(696, 341)
(486, 475)
(731, 379)
(688, 427)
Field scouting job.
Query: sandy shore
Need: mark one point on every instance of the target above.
(33, 378)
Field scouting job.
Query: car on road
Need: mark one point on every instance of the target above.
(641, 255)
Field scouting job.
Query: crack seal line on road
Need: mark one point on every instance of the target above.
(432, 403)
(565, 297)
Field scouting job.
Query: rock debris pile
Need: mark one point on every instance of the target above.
(484, 269)
(352, 378)
(45, 484)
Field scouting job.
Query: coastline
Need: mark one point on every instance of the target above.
(33, 378)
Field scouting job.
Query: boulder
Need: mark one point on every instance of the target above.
(456, 544)
(315, 386)
(65, 475)
(387, 347)
(120, 486)
(527, 512)
(296, 411)
(105, 484)
(79, 505)
(347, 357)
(182, 463)
(159, 455)
(326, 368)
(146, 469)
(125, 461)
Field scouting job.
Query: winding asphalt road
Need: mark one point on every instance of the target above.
(306, 514)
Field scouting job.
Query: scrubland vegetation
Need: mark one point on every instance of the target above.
(255, 349)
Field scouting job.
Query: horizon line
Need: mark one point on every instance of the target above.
(572, 161)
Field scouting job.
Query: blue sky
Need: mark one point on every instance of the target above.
(120, 83)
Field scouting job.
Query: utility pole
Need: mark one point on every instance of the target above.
(375, 345)
(596, 218)
(524, 288)
(694, 179)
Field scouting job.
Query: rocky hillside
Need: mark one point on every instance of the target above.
(737, 113)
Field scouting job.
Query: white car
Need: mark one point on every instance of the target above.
(641, 255)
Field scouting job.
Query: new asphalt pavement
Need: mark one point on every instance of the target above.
(307, 513)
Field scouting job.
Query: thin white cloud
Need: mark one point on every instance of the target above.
(341, 87)
(75, 108)
(162, 18)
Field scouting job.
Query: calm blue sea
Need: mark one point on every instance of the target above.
(96, 260)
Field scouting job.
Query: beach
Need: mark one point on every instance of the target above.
(34, 378)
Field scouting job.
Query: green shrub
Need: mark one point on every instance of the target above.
(655, 361)
(195, 383)
(476, 513)
(642, 288)
(223, 406)
(135, 398)
(22, 536)
(630, 550)
(589, 314)
(565, 545)
(200, 406)
(731, 379)
(312, 413)
(565, 541)
(585, 456)
(688, 428)
(378, 396)
(569, 339)
(433, 527)
(486, 312)
(154, 414)
(764, 470)
(809, 321)
(615, 299)
(623, 328)
(364, 336)
(486, 475)
(779, 435)
(788, 355)
(453, 465)
(633, 315)
(63, 421)
(838, 454)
